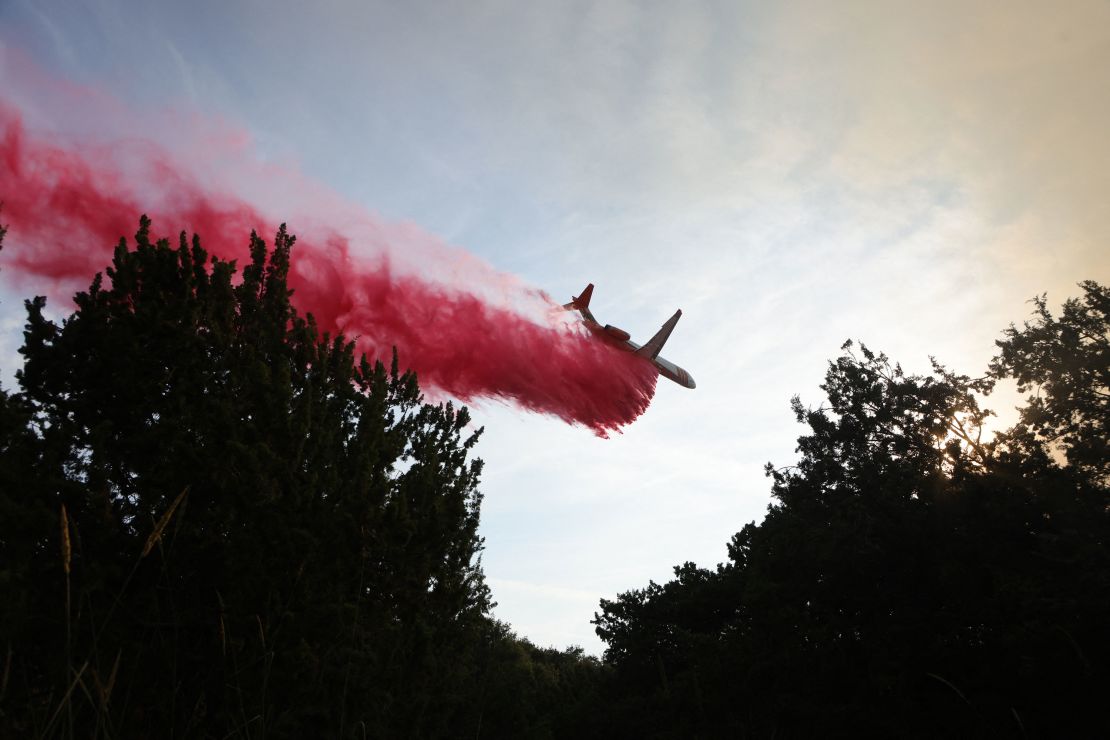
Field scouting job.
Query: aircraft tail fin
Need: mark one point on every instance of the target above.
(655, 344)
(581, 302)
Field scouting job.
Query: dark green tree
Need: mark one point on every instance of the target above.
(264, 534)
(911, 579)
(539, 693)
(1066, 361)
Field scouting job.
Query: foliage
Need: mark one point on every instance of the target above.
(910, 579)
(531, 692)
(1066, 360)
(270, 536)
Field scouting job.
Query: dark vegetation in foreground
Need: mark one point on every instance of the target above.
(215, 522)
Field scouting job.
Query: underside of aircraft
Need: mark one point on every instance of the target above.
(619, 337)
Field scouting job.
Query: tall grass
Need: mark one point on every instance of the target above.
(86, 681)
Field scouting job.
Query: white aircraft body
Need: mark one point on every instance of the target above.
(620, 337)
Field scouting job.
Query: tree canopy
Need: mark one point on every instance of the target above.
(913, 576)
(214, 520)
(1066, 360)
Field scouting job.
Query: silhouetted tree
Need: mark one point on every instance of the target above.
(263, 534)
(1067, 361)
(911, 579)
(531, 692)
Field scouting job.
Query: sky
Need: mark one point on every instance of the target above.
(791, 175)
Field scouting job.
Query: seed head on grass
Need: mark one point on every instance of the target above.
(156, 535)
(104, 690)
(67, 550)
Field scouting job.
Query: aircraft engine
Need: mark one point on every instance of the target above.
(616, 333)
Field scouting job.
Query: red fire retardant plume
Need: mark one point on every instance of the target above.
(66, 209)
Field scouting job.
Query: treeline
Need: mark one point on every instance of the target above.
(216, 521)
(913, 578)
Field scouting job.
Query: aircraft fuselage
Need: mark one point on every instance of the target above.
(620, 338)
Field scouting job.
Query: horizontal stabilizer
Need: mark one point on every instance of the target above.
(655, 344)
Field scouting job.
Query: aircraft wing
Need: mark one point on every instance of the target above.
(655, 344)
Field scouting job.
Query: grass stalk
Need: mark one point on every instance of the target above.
(67, 557)
(65, 701)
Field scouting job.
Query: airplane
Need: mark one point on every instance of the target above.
(620, 337)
